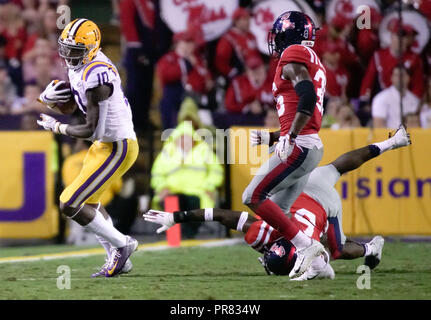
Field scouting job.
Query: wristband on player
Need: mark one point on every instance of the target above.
(181, 216)
(60, 128)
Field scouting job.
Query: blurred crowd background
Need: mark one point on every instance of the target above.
(170, 77)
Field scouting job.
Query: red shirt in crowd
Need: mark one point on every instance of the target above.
(241, 92)
(381, 66)
(234, 43)
(172, 68)
(336, 81)
(347, 52)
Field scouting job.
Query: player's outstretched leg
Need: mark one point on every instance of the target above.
(128, 266)
(93, 220)
(354, 159)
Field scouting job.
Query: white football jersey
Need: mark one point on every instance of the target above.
(118, 121)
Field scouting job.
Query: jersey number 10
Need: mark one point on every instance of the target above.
(103, 78)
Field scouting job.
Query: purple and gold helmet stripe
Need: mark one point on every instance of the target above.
(75, 27)
(95, 64)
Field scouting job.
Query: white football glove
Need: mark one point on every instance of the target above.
(258, 137)
(284, 147)
(166, 219)
(49, 123)
(51, 95)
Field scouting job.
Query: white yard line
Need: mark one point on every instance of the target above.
(99, 251)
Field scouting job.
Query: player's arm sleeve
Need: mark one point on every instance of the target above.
(261, 234)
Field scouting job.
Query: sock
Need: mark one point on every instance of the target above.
(104, 229)
(367, 249)
(375, 151)
(275, 217)
(105, 244)
(384, 145)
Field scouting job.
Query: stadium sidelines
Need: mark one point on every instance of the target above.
(157, 246)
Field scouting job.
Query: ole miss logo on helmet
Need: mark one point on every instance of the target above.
(287, 24)
(278, 250)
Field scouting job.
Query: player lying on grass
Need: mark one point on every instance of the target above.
(317, 212)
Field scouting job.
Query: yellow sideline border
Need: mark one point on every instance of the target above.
(162, 245)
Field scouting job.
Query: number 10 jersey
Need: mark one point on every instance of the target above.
(101, 71)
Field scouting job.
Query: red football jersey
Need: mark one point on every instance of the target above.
(284, 92)
(307, 214)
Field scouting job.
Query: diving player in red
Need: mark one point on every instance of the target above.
(298, 88)
(317, 212)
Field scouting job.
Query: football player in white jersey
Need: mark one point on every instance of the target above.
(95, 86)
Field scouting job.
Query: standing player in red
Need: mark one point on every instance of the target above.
(298, 88)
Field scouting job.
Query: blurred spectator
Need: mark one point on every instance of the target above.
(345, 118)
(367, 41)
(29, 122)
(187, 167)
(336, 32)
(412, 120)
(42, 49)
(12, 29)
(271, 119)
(146, 39)
(339, 115)
(251, 91)
(425, 110)
(43, 72)
(386, 109)
(337, 76)
(181, 71)
(47, 30)
(28, 103)
(235, 45)
(384, 61)
(32, 16)
(7, 89)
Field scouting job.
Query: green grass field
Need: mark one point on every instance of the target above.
(230, 272)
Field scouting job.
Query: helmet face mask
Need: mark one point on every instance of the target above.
(73, 55)
(79, 43)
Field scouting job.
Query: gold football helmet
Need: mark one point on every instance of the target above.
(79, 43)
